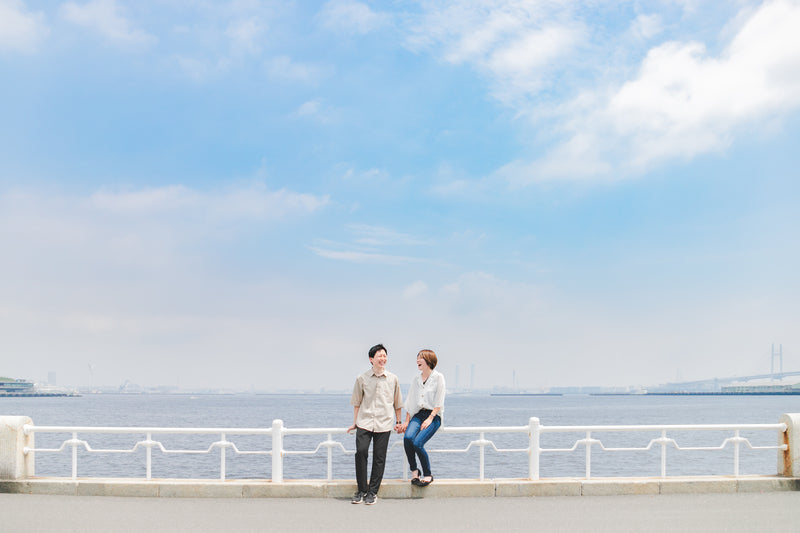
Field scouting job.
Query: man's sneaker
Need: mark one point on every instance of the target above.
(358, 497)
(370, 498)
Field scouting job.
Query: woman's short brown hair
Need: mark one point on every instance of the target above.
(429, 356)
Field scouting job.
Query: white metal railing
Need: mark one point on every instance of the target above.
(588, 441)
(534, 431)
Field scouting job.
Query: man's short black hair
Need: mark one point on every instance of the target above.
(377, 348)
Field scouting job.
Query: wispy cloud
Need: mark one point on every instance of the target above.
(246, 35)
(316, 110)
(380, 236)
(372, 244)
(107, 19)
(254, 201)
(349, 16)
(285, 68)
(518, 45)
(646, 26)
(353, 256)
(415, 290)
(20, 30)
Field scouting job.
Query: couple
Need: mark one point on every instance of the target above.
(375, 395)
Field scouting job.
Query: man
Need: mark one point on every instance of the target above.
(376, 404)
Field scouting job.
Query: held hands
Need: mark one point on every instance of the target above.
(400, 428)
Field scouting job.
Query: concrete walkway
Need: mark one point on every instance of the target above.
(738, 512)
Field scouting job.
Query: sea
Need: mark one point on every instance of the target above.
(334, 411)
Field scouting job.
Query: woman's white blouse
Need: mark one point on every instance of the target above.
(428, 395)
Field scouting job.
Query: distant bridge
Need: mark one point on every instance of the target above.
(716, 384)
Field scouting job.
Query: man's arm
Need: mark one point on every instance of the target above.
(398, 407)
(355, 417)
(355, 401)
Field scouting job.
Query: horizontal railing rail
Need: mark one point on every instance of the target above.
(534, 431)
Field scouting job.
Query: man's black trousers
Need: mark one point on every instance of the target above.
(380, 445)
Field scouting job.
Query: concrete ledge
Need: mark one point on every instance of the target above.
(116, 488)
(761, 484)
(698, 486)
(396, 488)
(546, 487)
(221, 489)
(617, 487)
(288, 489)
(55, 487)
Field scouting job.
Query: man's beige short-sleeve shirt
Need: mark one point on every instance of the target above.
(376, 397)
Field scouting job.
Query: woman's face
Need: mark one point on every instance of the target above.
(422, 364)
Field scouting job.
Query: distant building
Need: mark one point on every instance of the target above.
(763, 387)
(16, 387)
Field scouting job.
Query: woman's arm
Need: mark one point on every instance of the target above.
(438, 402)
(428, 421)
(441, 389)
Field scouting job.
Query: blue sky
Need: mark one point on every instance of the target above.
(251, 193)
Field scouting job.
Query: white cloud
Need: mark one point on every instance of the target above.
(105, 17)
(415, 290)
(284, 68)
(255, 201)
(196, 69)
(260, 203)
(363, 257)
(155, 199)
(246, 35)
(517, 44)
(310, 108)
(349, 16)
(372, 175)
(380, 236)
(20, 30)
(682, 103)
(372, 244)
(316, 110)
(647, 26)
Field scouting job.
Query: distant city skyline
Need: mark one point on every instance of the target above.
(454, 385)
(251, 194)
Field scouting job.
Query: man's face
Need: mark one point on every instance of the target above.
(379, 361)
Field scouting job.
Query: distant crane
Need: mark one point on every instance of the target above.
(91, 376)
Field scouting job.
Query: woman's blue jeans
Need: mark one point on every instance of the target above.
(415, 439)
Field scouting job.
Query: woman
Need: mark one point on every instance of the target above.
(424, 409)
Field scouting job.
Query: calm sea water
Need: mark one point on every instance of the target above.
(252, 411)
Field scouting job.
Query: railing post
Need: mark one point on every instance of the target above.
(483, 448)
(15, 461)
(330, 458)
(736, 453)
(222, 450)
(149, 456)
(277, 451)
(74, 455)
(588, 454)
(664, 454)
(534, 431)
(789, 458)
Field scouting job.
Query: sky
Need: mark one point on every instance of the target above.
(248, 194)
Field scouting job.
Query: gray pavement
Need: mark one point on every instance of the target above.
(740, 512)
